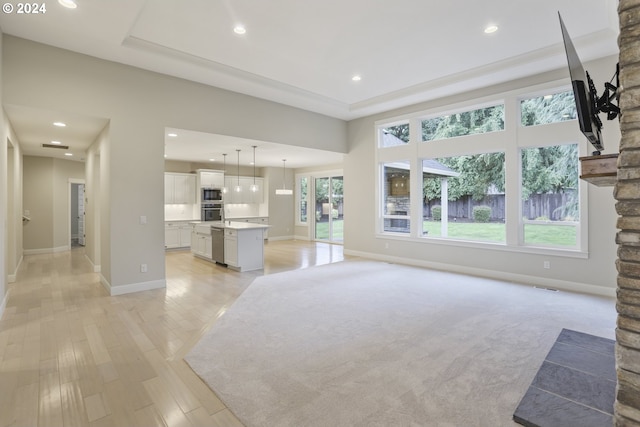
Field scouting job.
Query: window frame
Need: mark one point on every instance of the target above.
(514, 137)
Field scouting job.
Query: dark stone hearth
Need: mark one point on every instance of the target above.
(575, 385)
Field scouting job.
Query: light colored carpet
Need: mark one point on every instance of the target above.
(364, 343)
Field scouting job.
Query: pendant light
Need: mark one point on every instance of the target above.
(224, 172)
(254, 187)
(283, 191)
(238, 188)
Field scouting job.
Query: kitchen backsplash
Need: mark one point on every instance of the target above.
(181, 212)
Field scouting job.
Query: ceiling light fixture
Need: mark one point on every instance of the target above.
(59, 124)
(68, 154)
(491, 29)
(356, 78)
(224, 171)
(254, 187)
(283, 191)
(239, 29)
(69, 4)
(172, 135)
(238, 187)
(212, 160)
(56, 142)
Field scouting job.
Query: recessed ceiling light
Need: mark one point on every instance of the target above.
(56, 142)
(172, 135)
(239, 29)
(69, 4)
(356, 78)
(68, 154)
(59, 124)
(165, 155)
(212, 160)
(491, 29)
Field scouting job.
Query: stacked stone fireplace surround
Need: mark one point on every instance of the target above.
(627, 195)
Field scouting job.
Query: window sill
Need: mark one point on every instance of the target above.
(503, 247)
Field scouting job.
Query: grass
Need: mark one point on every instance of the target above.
(322, 230)
(542, 234)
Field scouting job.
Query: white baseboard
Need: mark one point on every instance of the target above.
(542, 282)
(3, 304)
(46, 250)
(96, 267)
(133, 287)
(13, 277)
(306, 238)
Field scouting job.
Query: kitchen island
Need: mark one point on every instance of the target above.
(237, 245)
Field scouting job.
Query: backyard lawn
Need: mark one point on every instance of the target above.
(545, 234)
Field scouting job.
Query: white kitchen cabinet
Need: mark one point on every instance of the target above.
(231, 247)
(243, 248)
(179, 188)
(185, 235)
(201, 244)
(171, 236)
(211, 179)
(177, 234)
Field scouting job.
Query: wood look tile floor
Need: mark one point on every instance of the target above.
(70, 355)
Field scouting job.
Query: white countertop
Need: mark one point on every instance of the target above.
(231, 224)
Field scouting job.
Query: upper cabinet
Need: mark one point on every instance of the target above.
(211, 179)
(179, 188)
(245, 195)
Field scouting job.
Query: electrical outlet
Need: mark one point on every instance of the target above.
(546, 264)
(143, 268)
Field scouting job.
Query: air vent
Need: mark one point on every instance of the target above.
(62, 147)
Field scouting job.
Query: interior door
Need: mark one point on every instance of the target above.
(81, 214)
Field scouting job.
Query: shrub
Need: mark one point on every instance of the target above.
(481, 213)
(436, 213)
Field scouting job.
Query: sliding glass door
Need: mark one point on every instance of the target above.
(329, 204)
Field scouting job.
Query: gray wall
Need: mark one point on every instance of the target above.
(46, 197)
(139, 105)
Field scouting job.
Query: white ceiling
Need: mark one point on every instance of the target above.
(304, 53)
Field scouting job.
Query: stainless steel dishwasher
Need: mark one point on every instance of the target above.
(217, 243)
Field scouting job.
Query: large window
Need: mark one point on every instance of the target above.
(392, 136)
(481, 120)
(396, 201)
(550, 195)
(553, 108)
(510, 178)
(302, 199)
(464, 197)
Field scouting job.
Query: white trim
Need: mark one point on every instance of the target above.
(96, 267)
(11, 278)
(3, 305)
(132, 287)
(46, 250)
(305, 238)
(542, 282)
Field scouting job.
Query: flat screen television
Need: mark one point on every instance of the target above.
(584, 93)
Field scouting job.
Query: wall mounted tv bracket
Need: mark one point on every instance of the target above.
(608, 102)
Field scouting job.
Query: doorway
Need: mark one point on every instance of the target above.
(77, 214)
(329, 206)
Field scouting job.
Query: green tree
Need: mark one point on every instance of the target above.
(548, 109)
(549, 169)
(478, 173)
